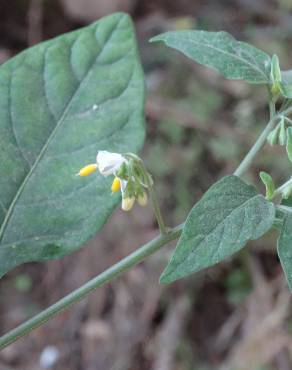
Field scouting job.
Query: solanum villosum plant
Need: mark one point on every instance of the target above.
(74, 105)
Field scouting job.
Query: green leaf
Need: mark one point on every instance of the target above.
(286, 84)
(220, 224)
(285, 249)
(269, 184)
(61, 102)
(219, 50)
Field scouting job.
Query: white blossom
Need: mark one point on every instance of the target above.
(109, 163)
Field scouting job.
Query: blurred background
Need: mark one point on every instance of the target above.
(236, 315)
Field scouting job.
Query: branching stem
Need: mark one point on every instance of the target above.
(101, 279)
(248, 159)
(137, 256)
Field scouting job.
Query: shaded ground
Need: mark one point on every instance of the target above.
(234, 316)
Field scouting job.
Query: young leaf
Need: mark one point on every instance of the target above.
(220, 224)
(61, 102)
(285, 248)
(219, 50)
(286, 84)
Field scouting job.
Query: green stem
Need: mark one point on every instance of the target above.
(286, 209)
(149, 183)
(157, 212)
(106, 276)
(248, 159)
(280, 189)
(129, 261)
(272, 108)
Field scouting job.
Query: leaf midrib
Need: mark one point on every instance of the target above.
(51, 136)
(227, 53)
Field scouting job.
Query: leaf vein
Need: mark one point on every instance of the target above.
(12, 123)
(50, 138)
(214, 229)
(254, 67)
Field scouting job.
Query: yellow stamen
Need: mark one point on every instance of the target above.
(127, 203)
(87, 170)
(116, 185)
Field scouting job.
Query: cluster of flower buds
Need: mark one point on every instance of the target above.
(130, 176)
(282, 134)
(280, 81)
(285, 190)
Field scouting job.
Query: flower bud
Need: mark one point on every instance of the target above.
(127, 203)
(275, 75)
(269, 184)
(273, 136)
(116, 185)
(142, 199)
(87, 170)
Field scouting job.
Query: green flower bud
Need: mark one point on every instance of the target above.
(269, 184)
(275, 75)
(273, 136)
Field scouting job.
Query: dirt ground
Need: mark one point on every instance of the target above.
(235, 316)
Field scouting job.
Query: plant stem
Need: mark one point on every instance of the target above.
(272, 108)
(101, 279)
(246, 162)
(286, 209)
(279, 190)
(149, 182)
(133, 259)
(157, 212)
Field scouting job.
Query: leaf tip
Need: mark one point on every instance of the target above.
(167, 276)
(164, 279)
(156, 38)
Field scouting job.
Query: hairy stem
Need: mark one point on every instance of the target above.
(133, 259)
(280, 189)
(248, 159)
(157, 212)
(101, 279)
(286, 209)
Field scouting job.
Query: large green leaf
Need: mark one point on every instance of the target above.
(285, 248)
(220, 224)
(219, 50)
(61, 102)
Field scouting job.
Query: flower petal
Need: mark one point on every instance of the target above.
(109, 163)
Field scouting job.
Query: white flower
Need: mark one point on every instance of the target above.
(109, 163)
(130, 186)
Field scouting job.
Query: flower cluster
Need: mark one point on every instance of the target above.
(130, 176)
